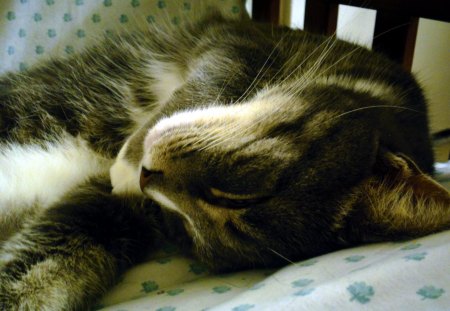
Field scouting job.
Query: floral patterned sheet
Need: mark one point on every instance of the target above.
(31, 30)
(412, 275)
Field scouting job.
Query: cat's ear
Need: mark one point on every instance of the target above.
(399, 201)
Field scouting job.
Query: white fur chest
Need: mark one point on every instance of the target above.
(33, 175)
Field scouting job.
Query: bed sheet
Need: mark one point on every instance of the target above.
(32, 30)
(413, 275)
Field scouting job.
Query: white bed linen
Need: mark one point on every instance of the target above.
(413, 275)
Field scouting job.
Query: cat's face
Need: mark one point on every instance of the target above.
(261, 181)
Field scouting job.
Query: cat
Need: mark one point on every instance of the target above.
(249, 145)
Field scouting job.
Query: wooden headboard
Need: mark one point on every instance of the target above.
(395, 26)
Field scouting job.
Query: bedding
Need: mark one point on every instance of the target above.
(412, 275)
(32, 30)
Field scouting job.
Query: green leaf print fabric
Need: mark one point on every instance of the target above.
(412, 275)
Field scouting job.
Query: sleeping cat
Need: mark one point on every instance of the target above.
(249, 145)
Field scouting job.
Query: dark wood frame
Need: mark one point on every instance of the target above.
(395, 26)
(266, 11)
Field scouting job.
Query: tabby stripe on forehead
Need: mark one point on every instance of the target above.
(372, 87)
(238, 149)
(294, 126)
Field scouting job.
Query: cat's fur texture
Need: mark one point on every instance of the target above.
(260, 144)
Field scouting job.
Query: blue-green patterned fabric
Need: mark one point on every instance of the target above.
(413, 275)
(31, 30)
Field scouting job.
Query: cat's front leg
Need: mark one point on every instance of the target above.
(35, 281)
(70, 255)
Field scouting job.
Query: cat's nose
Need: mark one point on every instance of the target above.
(148, 176)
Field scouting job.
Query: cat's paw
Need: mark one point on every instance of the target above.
(38, 286)
(72, 280)
(124, 178)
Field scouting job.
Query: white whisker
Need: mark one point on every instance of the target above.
(281, 256)
(376, 106)
(255, 80)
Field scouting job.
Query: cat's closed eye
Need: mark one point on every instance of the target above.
(221, 198)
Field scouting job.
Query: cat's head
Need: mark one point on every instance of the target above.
(280, 177)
